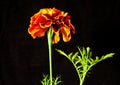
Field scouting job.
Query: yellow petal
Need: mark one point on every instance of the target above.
(56, 38)
(66, 34)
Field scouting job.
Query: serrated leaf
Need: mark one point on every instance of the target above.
(89, 55)
(109, 55)
(80, 50)
(88, 50)
(91, 59)
(97, 58)
(69, 55)
(102, 57)
(77, 61)
(84, 51)
(81, 72)
(79, 57)
(75, 55)
(83, 62)
(57, 81)
(78, 67)
(61, 52)
(90, 62)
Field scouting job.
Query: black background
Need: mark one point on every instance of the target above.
(24, 60)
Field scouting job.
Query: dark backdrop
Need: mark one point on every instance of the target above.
(23, 60)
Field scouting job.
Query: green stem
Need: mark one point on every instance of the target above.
(81, 82)
(49, 36)
(82, 79)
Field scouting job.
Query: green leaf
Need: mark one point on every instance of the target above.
(82, 51)
(61, 52)
(78, 67)
(77, 61)
(74, 56)
(97, 58)
(88, 54)
(46, 80)
(69, 55)
(83, 62)
(88, 50)
(109, 55)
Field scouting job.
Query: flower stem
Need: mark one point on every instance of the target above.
(49, 36)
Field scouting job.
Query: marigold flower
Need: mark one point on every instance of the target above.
(51, 17)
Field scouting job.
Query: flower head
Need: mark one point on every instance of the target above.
(51, 17)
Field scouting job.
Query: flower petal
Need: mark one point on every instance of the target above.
(46, 11)
(41, 32)
(40, 18)
(66, 34)
(67, 22)
(56, 38)
(45, 24)
(33, 29)
(57, 13)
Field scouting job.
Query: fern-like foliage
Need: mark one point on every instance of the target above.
(46, 80)
(83, 62)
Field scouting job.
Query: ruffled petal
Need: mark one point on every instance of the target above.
(45, 24)
(57, 13)
(66, 34)
(40, 19)
(67, 23)
(56, 38)
(41, 32)
(33, 29)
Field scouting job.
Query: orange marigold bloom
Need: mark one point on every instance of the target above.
(51, 17)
